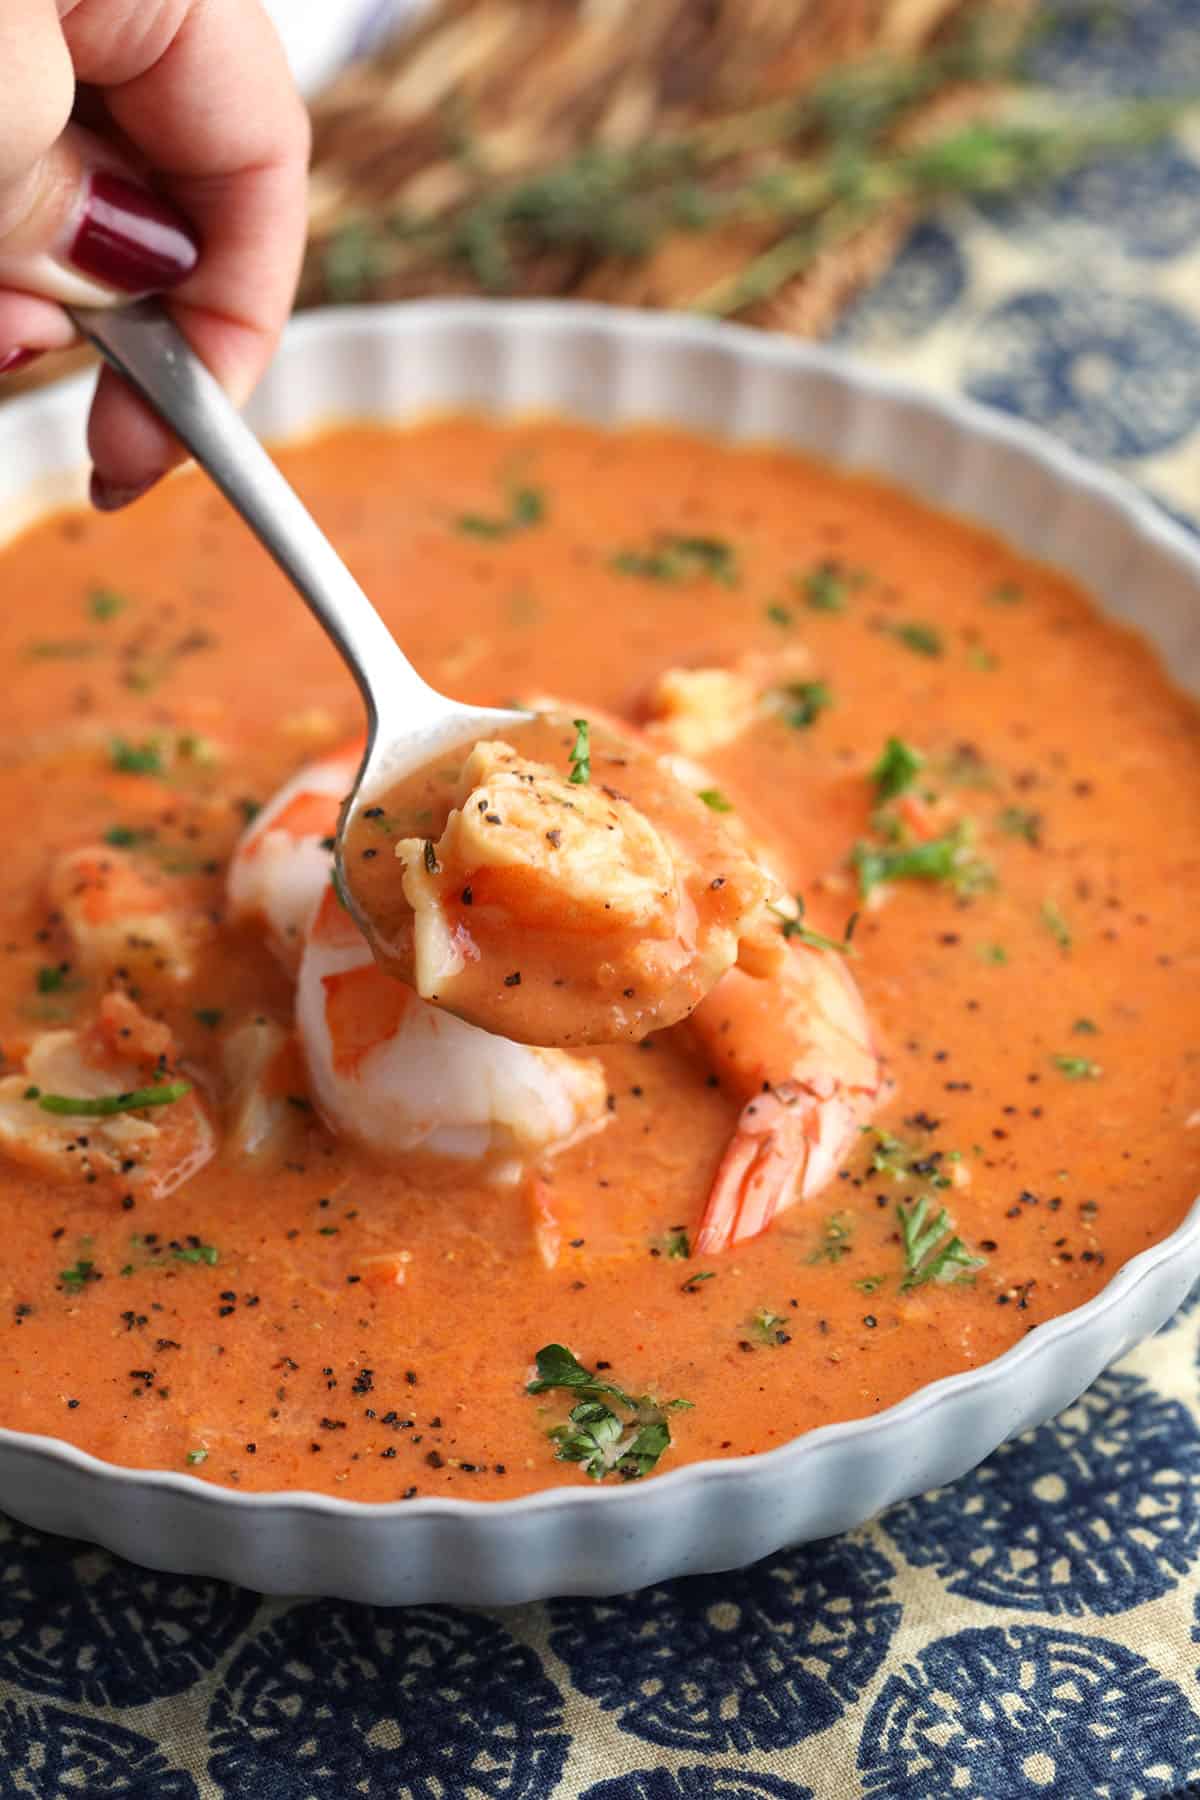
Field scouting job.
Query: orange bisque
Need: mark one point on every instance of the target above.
(961, 768)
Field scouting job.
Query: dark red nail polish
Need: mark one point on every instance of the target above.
(130, 239)
(108, 496)
(16, 359)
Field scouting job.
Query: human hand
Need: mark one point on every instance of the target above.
(189, 177)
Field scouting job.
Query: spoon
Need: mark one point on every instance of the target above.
(408, 722)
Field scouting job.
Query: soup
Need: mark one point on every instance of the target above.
(979, 788)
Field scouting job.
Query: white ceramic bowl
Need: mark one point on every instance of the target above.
(608, 367)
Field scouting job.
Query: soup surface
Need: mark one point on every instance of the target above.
(301, 1311)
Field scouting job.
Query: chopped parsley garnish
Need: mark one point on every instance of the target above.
(694, 1281)
(79, 1274)
(124, 837)
(526, 508)
(979, 658)
(103, 1106)
(608, 1432)
(198, 1253)
(1006, 593)
(136, 759)
(1056, 925)
(105, 603)
(767, 1326)
(51, 979)
(803, 702)
(715, 800)
(580, 755)
(1085, 1027)
(793, 926)
(837, 1235)
(949, 858)
(60, 649)
(1077, 1068)
(993, 953)
(677, 1244)
(196, 1456)
(897, 769)
(870, 1284)
(923, 640)
(827, 586)
(1018, 821)
(931, 1251)
(779, 615)
(676, 559)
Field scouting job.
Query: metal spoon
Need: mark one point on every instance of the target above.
(408, 722)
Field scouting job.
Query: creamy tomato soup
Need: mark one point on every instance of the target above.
(272, 1220)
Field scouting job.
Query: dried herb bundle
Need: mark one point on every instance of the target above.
(740, 157)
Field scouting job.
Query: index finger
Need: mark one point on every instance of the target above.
(205, 94)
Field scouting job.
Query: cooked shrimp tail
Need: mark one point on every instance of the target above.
(797, 1047)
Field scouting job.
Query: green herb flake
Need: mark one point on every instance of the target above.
(922, 640)
(526, 508)
(1056, 925)
(896, 770)
(837, 1236)
(693, 1281)
(136, 759)
(51, 979)
(767, 1326)
(948, 859)
(827, 586)
(1005, 593)
(870, 1284)
(125, 837)
(715, 800)
(77, 1277)
(979, 658)
(60, 649)
(196, 1457)
(676, 1244)
(1085, 1027)
(198, 1253)
(104, 1106)
(1077, 1068)
(779, 615)
(674, 559)
(580, 755)
(931, 1250)
(1018, 821)
(105, 603)
(607, 1432)
(803, 702)
(792, 926)
(992, 953)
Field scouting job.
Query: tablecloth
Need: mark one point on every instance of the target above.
(1032, 1631)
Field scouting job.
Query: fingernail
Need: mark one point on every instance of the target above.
(108, 496)
(129, 239)
(16, 359)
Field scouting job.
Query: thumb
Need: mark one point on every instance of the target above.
(77, 226)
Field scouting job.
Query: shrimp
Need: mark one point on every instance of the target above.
(796, 1048)
(152, 1148)
(384, 1066)
(399, 1075)
(122, 915)
(280, 867)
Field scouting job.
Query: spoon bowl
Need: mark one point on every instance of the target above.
(408, 722)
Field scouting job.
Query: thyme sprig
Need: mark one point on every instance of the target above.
(807, 170)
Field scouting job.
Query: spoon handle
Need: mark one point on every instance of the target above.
(145, 347)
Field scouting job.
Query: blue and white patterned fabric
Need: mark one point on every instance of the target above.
(1032, 1633)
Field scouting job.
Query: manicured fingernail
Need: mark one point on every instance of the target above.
(129, 239)
(109, 496)
(16, 359)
